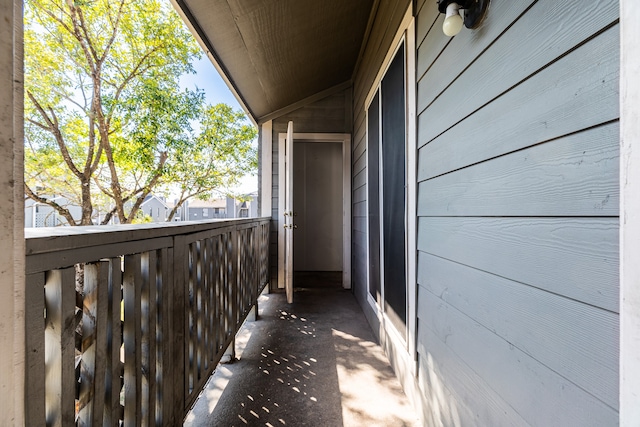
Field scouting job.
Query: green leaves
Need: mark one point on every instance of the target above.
(104, 111)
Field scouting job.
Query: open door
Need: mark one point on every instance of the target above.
(289, 215)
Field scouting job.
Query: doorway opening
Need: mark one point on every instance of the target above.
(317, 203)
(321, 198)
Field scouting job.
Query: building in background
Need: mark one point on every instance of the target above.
(38, 214)
(155, 208)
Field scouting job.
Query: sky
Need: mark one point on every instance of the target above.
(216, 91)
(208, 79)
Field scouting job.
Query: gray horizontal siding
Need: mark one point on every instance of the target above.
(534, 181)
(573, 257)
(547, 328)
(572, 94)
(459, 396)
(537, 393)
(519, 57)
(518, 215)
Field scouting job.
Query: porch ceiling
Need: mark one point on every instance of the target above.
(274, 53)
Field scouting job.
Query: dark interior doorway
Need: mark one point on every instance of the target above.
(318, 206)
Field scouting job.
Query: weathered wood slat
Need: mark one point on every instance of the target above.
(199, 313)
(68, 257)
(192, 331)
(113, 382)
(168, 384)
(59, 344)
(524, 383)
(132, 284)
(573, 176)
(216, 295)
(233, 280)
(576, 340)
(94, 344)
(51, 239)
(149, 320)
(206, 297)
(574, 257)
(145, 345)
(572, 94)
(179, 328)
(35, 350)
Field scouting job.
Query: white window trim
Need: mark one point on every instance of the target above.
(406, 34)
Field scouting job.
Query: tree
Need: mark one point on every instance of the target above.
(222, 148)
(106, 121)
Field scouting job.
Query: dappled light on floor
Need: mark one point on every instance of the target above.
(363, 368)
(311, 363)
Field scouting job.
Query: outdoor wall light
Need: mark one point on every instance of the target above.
(474, 12)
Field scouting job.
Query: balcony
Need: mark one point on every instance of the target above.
(126, 326)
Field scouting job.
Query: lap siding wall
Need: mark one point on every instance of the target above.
(518, 200)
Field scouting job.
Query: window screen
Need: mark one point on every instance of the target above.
(393, 103)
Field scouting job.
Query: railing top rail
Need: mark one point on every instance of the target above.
(46, 240)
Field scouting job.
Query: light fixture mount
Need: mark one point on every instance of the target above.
(474, 10)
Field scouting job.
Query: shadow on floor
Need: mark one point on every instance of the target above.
(311, 363)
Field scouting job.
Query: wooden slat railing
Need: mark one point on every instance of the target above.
(125, 324)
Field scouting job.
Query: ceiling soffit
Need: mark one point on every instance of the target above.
(278, 52)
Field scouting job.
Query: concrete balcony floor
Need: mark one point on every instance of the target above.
(312, 363)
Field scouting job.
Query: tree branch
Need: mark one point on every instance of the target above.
(55, 130)
(60, 209)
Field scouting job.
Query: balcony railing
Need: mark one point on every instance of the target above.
(125, 324)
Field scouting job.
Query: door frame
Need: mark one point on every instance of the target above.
(345, 140)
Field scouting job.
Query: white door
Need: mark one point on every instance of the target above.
(289, 215)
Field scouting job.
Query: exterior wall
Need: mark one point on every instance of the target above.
(383, 30)
(231, 207)
(518, 205)
(205, 213)
(12, 280)
(331, 114)
(41, 215)
(156, 209)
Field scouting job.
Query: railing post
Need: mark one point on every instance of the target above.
(35, 351)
